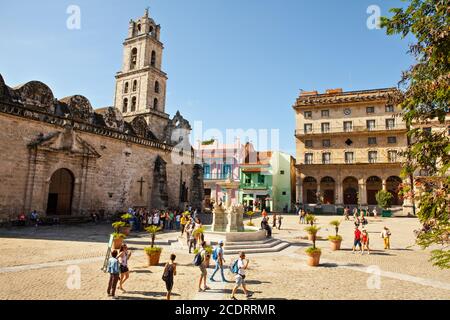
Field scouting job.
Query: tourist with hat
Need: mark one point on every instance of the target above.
(219, 260)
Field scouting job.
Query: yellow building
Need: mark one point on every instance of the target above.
(347, 148)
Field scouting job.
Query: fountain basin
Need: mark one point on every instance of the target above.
(249, 234)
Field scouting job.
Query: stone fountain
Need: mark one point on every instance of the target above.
(228, 219)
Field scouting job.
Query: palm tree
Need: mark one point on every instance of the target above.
(336, 224)
(153, 230)
(312, 230)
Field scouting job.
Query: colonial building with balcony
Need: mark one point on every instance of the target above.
(267, 180)
(220, 167)
(348, 147)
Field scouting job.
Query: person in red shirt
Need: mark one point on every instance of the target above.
(22, 219)
(357, 239)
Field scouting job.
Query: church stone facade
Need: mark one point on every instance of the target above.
(61, 157)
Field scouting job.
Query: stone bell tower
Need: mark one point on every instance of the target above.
(141, 84)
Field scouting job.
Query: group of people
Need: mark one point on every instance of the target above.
(119, 272)
(166, 219)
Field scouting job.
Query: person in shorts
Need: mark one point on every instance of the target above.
(203, 268)
(240, 277)
(170, 270)
(123, 257)
(357, 239)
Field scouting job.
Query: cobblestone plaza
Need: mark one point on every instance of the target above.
(43, 263)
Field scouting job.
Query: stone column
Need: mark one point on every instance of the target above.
(299, 190)
(340, 193)
(362, 192)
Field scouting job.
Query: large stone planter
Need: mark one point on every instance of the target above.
(335, 245)
(117, 243)
(313, 259)
(153, 258)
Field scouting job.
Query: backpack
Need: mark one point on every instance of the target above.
(215, 254)
(165, 275)
(234, 267)
(198, 259)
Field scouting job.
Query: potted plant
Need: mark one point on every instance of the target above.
(153, 252)
(117, 240)
(313, 252)
(250, 214)
(384, 199)
(310, 219)
(126, 228)
(336, 239)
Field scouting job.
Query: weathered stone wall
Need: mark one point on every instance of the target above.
(108, 182)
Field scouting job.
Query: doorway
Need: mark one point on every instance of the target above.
(60, 193)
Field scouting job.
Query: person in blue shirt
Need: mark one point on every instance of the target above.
(114, 273)
(219, 260)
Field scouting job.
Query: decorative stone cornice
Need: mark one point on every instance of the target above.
(345, 97)
(18, 110)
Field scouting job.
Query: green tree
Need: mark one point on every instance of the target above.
(424, 96)
(384, 199)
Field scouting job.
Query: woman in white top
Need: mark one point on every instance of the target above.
(124, 256)
(197, 225)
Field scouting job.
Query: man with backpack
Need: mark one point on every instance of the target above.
(219, 260)
(238, 268)
(201, 260)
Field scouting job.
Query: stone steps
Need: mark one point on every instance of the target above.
(249, 245)
(274, 245)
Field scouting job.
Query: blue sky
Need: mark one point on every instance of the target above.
(231, 63)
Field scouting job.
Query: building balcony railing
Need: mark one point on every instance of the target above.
(349, 129)
(219, 176)
(254, 186)
(361, 160)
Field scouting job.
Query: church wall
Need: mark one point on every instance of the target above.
(109, 183)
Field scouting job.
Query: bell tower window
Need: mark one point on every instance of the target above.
(155, 104)
(156, 87)
(133, 104)
(125, 90)
(133, 61)
(153, 61)
(134, 85)
(125, 105)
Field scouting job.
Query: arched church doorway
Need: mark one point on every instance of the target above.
(60, 193)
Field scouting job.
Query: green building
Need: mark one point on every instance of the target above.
(267, 180)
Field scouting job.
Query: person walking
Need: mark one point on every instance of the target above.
(386, 235)
(123, 257)
(302, 216)
(183, 222)
(280, 218)
(241, 266)
(375, 212)
(346, 213)
(177, 221)
(274, 222)
(191, 239)
(113, 270)
(357, 239)
(365, 241)
(170, 270)
(219, 260)
(197, 235)
(205, 257)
